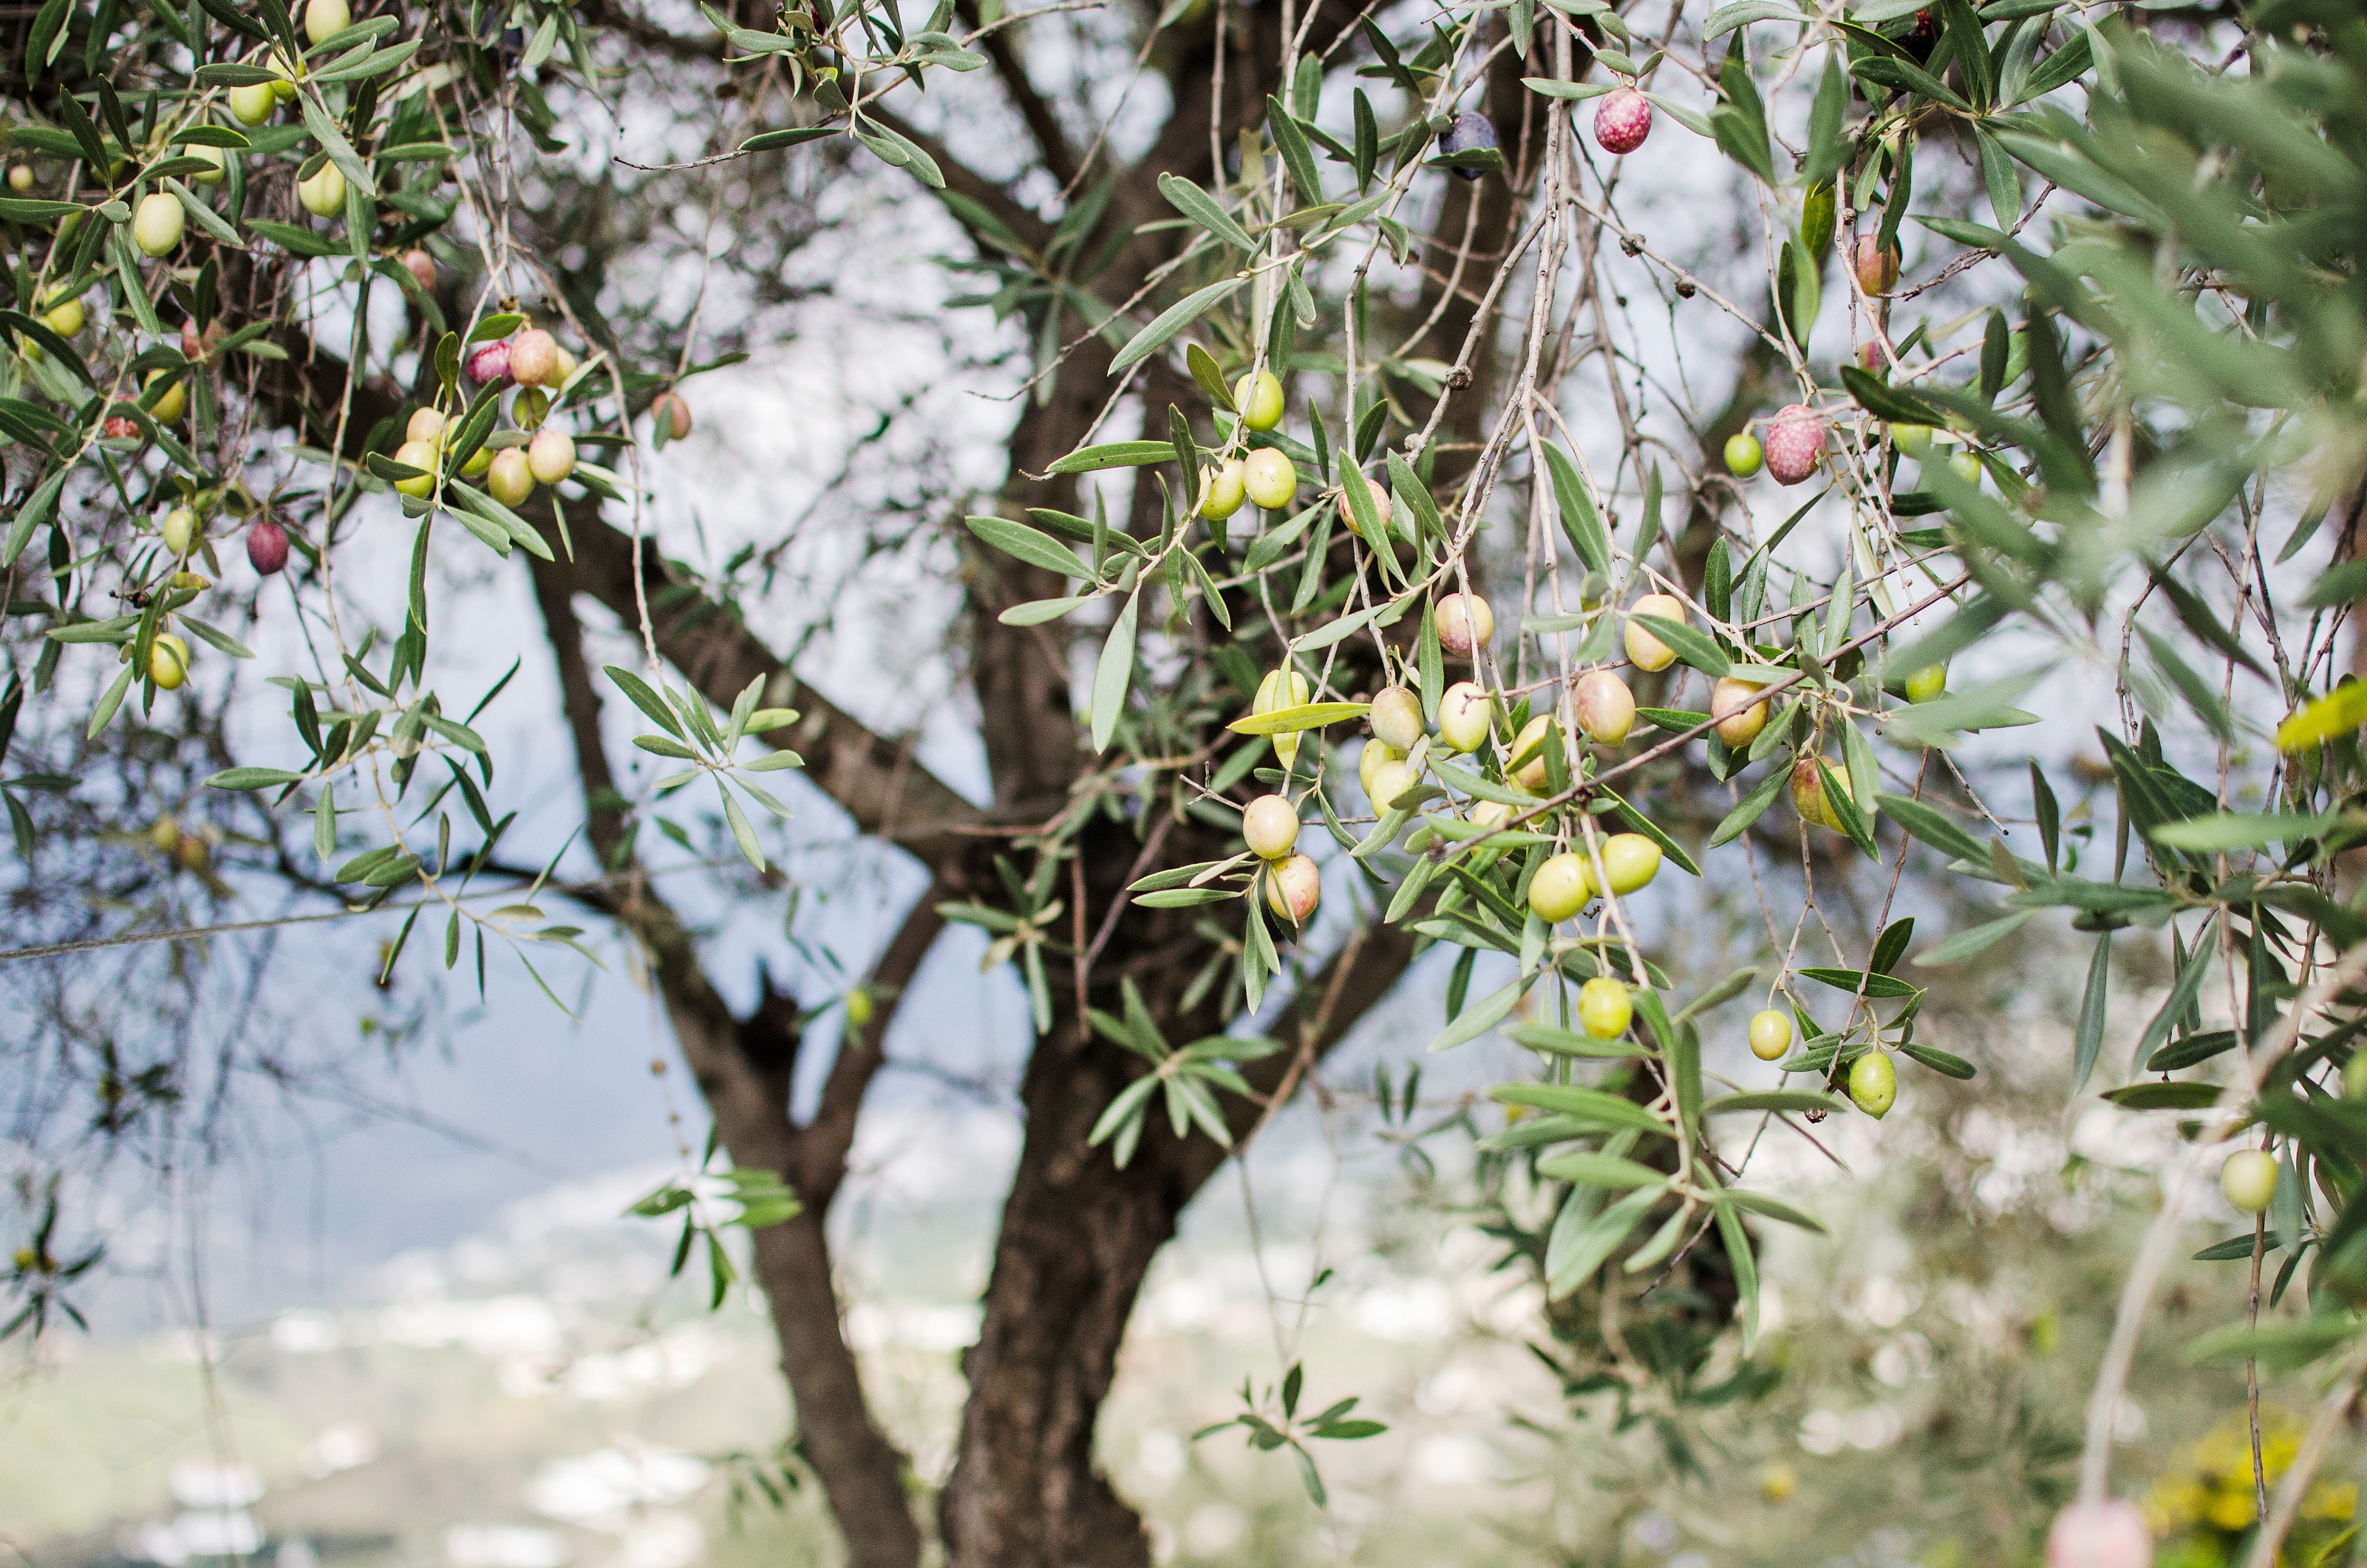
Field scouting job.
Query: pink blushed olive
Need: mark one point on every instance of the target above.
(1463, 716)
(1644, 650)
(1395, 717)
(266, 546)
(1293, 888)
(1876, 264)
(1604, 706)
(1380, 515)
(1270, 826)
(1808, 797)
(1796, 443)
(1740, 710)
(552, 455)
(1561, 887)
(422, 267)
(1465, 623)
(510, 478)
(671, 411)
(489, 362)
(2110, 1533)
(1622, 120)
(534, 358)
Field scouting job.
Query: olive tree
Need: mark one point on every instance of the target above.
(1337, 422)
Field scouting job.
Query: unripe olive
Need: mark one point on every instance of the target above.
(1966, 466)
(1463, 715)
(567, 372)
(424, 425)
(171, 403)
(479, 461)
(509, 479)
(1396, 717)
(1258, 399)
(165, 833)
(1464, 625)
(1270, 478)
(326, 19)
(1491, 814)
(1283, 689)
(531, 407)
(1605, 709)
(1912, 440)
(859, 1007)
(1222, 491)
(1874, 1083)
(1603, 1008)
(1630, 861)
(2249, 1181)
(1380, 516)
(1292, 887)
(419, 454)
(252, 105)
(1770, 1033)
(1744, 455)
(280, 66)
(65, 317)
(1645, 650)
(552, 455)
(178, 526)
(1374, 753)
(1270, 826)
(422, 267)
(672, 410)
(1740, 711)
(2355, 1077)
(21, 177)
(168, 662)
(534, 358)
(214, 155)
(1531, 775)
(157, 222)
(1927, 684)
(1387, 780)
(2111, 1533)
(1561, 887)
(1876, 264)
(323, 194)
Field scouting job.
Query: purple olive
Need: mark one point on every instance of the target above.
(490, 363)
(1469, 133)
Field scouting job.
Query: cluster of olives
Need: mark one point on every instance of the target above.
(534, 360)
(1265, 475)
